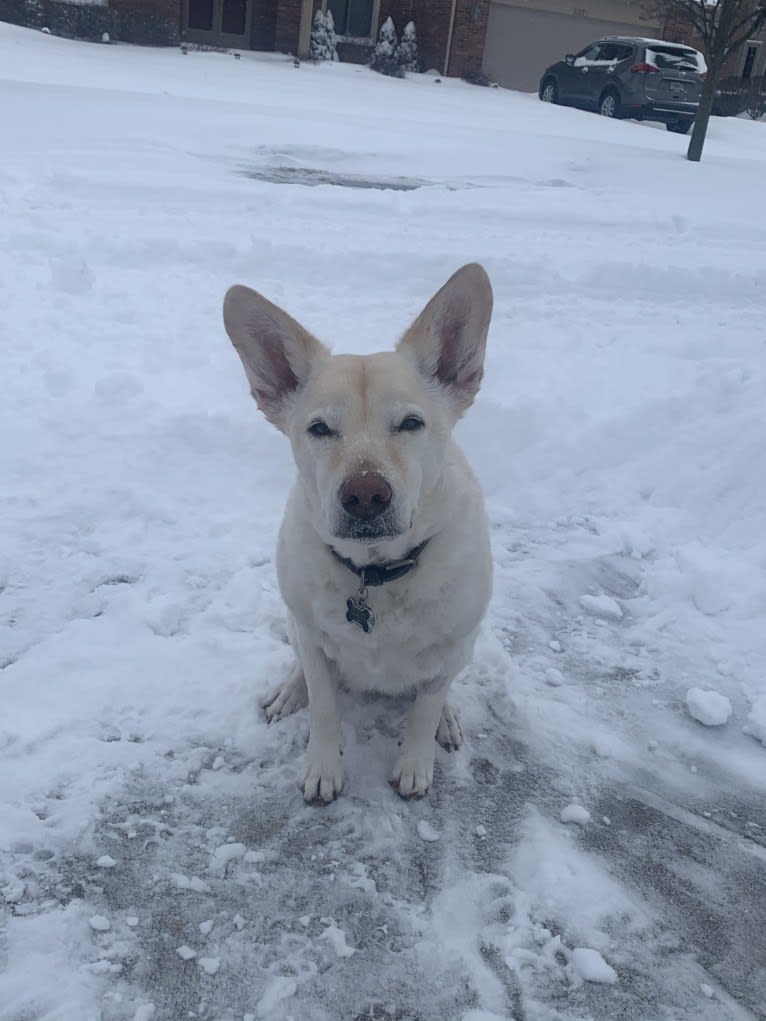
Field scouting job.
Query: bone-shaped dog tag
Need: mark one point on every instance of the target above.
(359, 613)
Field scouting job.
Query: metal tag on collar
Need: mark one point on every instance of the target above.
(357, 610)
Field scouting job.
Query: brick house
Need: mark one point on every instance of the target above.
(511, 40)
(451, 32)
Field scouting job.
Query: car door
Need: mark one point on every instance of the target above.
(602, 70)
(585, 63)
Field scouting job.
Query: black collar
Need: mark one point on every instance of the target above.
(378, 574)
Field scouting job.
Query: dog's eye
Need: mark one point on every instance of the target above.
(411, 424)
(320, 428)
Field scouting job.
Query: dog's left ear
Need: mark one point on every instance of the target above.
(278, 354)
(449, 337)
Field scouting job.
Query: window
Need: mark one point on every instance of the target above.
(614, 52)
(747, 69)
(352, 17)
(603, 53)
(675, 58)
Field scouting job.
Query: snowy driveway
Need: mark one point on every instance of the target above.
(156, 860)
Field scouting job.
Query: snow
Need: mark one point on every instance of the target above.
(618, 437)
(427, 832)
(602, 606)
(708, 707)
(756, 720)
(591, 966)
(575, 813)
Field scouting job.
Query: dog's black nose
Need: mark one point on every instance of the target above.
(365, 495)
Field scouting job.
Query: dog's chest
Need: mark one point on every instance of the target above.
(412, 641)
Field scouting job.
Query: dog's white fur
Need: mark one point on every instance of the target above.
(426, 621)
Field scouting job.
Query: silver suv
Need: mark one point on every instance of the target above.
(625, 77)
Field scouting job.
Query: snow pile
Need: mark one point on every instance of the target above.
(756, 720)
(708, 707)
(590, 966)
(575, 813)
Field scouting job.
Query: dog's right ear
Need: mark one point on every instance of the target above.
(276, 351)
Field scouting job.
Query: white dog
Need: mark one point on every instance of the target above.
(383, 556)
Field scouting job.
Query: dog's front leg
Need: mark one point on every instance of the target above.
(322, 777)
(414, 768)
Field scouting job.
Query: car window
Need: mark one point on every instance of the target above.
(609, 51)
(675, 58)
(601, 54)
(588, 56)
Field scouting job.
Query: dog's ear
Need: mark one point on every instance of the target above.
(276, 351)
(448, 338)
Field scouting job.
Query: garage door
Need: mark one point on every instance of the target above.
(521, 43)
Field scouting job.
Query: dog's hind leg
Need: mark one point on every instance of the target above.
(288, 697)
(449, 733)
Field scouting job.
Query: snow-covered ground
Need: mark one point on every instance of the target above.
(595, 851)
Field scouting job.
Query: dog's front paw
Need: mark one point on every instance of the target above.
(322, 778)
(286, 698)
(413, 772)
(449, 733)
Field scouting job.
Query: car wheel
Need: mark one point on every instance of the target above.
(549, 93)
(609, 104)
(681, 126)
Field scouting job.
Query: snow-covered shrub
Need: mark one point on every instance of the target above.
(331, 39)
(323, 37)
(384, 56)
(407, 52)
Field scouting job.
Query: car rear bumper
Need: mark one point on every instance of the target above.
(660, 111)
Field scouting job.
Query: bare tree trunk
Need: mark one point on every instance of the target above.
(699, 131)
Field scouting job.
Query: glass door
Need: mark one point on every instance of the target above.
(218, 22)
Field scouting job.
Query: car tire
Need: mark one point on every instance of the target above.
(549, 93)
(681, 126)
(609, 104)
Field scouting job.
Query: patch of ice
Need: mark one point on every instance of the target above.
(99, 923)
(132, 921)
(554, 677)
(210, 965)
(106, 862)
(206, 927)
(186, 953)
(708, 706)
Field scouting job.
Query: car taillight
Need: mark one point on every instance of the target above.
(703, 75)
(644, 68)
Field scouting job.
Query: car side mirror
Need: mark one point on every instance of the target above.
(569, 58)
